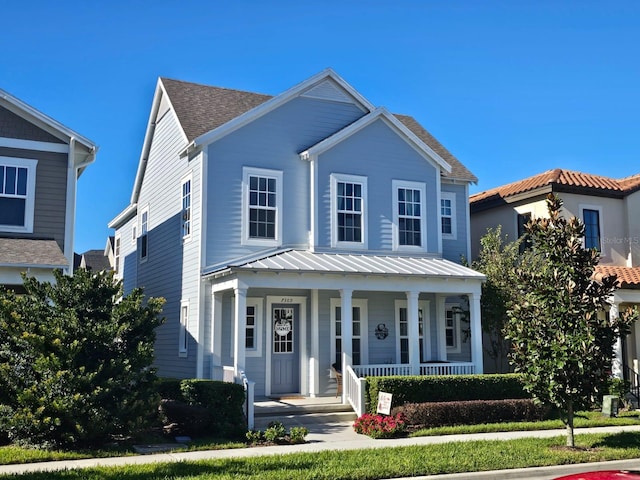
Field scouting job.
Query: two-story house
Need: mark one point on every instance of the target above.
(40, 163)
(610, 210)
(293, 232)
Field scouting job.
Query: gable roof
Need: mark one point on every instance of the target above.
(557, 180)
(201, 109)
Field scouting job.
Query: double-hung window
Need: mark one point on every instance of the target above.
(409, 220)
(17, 194)
(116, 255)
(522, 220)
(359, 329)
(262, 209)
(592, 231)
(402, 327)
(453, 315)
(183, 338)
(448, 215)
(348, 208)
(186, 207)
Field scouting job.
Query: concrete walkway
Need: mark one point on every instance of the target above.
(326, 434)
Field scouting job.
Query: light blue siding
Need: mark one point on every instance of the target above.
(377, 148)
(454, 250)
(272, 142)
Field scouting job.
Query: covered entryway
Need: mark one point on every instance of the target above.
(285, 349)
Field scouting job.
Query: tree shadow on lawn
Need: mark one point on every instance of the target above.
(621, 440)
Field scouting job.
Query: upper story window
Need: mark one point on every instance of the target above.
(448, 215)
(409, 217)
(144, 234)
(17, 194)
(186, 207)
(262, 209)
(116, 255)
(348, 211)
(592, 231)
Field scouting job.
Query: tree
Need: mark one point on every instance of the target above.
(75, 360)
(498, 260)
(560, 342)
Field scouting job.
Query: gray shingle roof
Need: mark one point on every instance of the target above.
(202, 108)
(25, 252)
(95, 260)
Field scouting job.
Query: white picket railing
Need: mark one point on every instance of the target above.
(354, 390)
(457, 368)
(390, 370)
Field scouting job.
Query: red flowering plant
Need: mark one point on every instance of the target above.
(380, 426)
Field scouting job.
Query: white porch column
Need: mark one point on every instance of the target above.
(616, 364)
(441, 328)
(240, 330)
(346, 321)
(216, 336)
(476, 333)
(314, 363)
(413, 317)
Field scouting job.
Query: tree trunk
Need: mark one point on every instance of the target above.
(570, 439)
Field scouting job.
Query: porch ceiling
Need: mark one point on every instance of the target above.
(302, 261)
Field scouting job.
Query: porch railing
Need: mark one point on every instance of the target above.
(354, 391)
(444, 368)
(249, 392)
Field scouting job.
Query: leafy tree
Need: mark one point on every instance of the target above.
(561, 345)
(498, 260)
(75, 360)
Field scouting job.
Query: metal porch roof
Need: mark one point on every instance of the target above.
(301, 261)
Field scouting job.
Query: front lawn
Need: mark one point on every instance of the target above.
(454, 457)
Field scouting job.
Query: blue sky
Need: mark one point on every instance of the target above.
(512, 88)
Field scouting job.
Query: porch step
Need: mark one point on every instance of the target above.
(302, 411)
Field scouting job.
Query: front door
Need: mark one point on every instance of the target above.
(285, 352)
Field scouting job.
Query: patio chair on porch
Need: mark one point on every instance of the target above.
(338, 376)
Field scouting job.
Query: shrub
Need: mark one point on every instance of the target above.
(446, 388)
(437, 414)
(380, 426)
(298, 434)
(75, 360)
(274, 432)
(180, 418)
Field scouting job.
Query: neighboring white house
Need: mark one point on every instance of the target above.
(610, 210)
(40, 163)
(292, 232)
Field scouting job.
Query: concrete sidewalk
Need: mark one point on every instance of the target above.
(325, 434)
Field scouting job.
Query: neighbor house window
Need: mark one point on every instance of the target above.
(448, 215)
(348, 202)
(409, 215)
(262, 206)
(116, 255)
(591, 219)
(522, 220)
(359, 342)
(17, 194)
(144, 234)
(183, 339)
(186, 208)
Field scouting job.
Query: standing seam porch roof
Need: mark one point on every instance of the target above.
(302, 261)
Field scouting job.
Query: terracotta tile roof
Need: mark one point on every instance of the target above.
(202, 108)
(561, 180)
(627, 276)
(24, 252)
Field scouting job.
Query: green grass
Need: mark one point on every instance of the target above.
(372, 464)
(581, 420)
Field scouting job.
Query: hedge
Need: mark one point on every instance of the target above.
(471, 412)
(444, 388)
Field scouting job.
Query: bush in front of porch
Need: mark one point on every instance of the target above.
(446, 388)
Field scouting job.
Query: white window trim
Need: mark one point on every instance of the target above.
(395, 185)
(426, 323)
(142, 212)
(134, 236)
(262, 172)
(456, 327)
(454, 231)
(185, 179)
(582, 207)
(364, 327)
(257, 304)
(340, 177)
(183, 338)
(30, 200)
